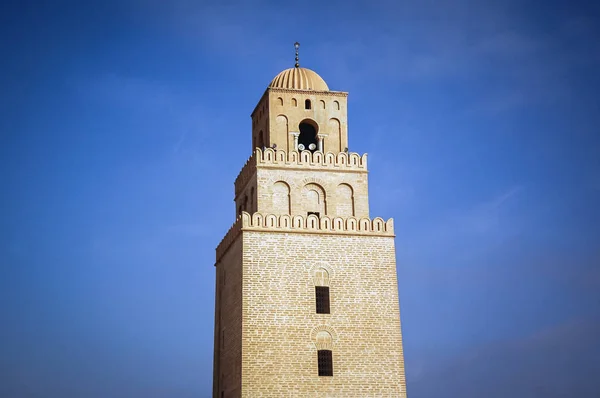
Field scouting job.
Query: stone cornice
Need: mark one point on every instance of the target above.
(311, 224)
(328, 93)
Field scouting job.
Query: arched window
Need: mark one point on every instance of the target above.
(307, 104)
(323, 337)
(321, 277)
(308, 136)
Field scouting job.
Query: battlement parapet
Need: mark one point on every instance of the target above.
(306, 224)
(343, 161)
(229, 237)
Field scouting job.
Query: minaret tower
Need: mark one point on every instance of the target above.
(306, 286)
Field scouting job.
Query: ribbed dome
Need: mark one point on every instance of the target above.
(299, 79)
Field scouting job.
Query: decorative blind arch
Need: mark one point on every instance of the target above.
(281, 198)
(344, 201)
(313, 199)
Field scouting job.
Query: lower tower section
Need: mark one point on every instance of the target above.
(308, 306)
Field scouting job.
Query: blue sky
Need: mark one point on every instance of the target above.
(124, 125)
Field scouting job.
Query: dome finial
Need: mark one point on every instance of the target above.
(296, 46)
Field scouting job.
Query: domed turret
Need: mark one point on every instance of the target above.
(299, 112)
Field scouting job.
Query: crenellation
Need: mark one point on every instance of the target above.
(271, 158)
(323, 224)
(229, 237)
(344, 160)
(245, 174)
(298, 223)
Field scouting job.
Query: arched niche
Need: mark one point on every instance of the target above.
(281, 131)
(281, 198)
(334, 139)
(344, 197)
(313, 199)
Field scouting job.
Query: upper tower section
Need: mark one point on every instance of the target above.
(298, 112)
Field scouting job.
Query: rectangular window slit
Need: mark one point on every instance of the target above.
(322, 295)
(325, 359)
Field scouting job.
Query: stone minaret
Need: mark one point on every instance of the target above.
(306, 287)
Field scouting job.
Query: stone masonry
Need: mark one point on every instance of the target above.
(303, 223)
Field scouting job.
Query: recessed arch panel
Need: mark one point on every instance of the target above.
(281, 198)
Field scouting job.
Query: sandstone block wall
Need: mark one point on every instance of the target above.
(268, 266)
(280, 323)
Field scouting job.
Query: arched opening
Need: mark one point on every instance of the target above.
(308, 137)
(307, 104)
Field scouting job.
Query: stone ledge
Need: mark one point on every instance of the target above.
(310, 224)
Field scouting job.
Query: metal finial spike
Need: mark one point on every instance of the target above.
(296, 46)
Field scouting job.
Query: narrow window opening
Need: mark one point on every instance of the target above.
(325, 359)
(316, 213)
(322, 299)
(307, 104)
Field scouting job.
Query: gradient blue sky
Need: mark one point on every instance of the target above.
(481, 124)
